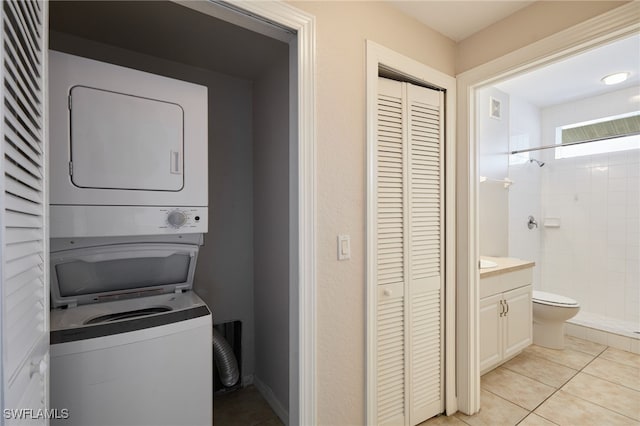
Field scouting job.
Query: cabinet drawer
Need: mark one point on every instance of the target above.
(504, 282)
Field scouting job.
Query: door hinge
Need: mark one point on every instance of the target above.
(70, 168)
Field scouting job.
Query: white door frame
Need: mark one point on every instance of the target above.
(377, 56)
(302, 191)
(610, 26)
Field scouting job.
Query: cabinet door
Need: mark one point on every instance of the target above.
(517, 321)
(490, 332)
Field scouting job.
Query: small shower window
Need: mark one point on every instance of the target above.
(610, 134)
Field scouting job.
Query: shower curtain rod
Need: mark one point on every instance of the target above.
(518, 151)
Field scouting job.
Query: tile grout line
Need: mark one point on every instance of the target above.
(609, 381)
(601, 378)
(615, 362)
(621, 363)
(510, 402)
(576, 396)
(577, 371)
(546, 384)
(536, 380)
(563, 385)
(539, 381)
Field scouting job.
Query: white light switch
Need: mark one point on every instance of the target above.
(344, 247)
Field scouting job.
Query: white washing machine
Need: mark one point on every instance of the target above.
(130, 340)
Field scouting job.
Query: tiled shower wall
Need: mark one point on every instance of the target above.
(594, 255)
(587, 245)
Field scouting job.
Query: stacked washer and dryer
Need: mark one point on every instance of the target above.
(130, 340)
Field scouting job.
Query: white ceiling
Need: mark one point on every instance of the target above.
(579, 76)
(459, 19)
(564, 81)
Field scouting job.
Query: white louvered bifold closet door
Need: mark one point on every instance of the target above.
(23, 241)
(390, 256)
(409, 254)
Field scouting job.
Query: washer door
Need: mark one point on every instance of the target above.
(103, 273)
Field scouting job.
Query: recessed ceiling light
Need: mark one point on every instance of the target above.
(616, 78)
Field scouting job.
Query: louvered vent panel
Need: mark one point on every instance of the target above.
(23, 246)
(390, 180)
(426, 343)
(426, 190)
(390, 360)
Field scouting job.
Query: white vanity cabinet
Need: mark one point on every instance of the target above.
(505, 314)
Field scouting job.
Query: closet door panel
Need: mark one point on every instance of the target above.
(425, 244)
(24, 292)
(390, 258)
(409, 251)
(390, 355)
(390, 185)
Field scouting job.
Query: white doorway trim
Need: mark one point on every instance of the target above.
(302, 191)
(378, 56)
(615, 24)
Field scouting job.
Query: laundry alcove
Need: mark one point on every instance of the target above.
(243, 271)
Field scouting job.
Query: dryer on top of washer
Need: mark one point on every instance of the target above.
(128, 151)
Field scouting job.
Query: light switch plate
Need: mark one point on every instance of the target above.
(344, 247)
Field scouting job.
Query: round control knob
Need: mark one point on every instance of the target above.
(177, 218)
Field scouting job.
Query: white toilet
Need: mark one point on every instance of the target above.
(550, 311)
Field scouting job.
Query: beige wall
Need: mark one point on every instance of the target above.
(524, 27)
(342, 28)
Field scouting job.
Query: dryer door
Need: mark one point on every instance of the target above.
(120, 141)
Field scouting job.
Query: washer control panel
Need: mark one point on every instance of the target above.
(106, 221)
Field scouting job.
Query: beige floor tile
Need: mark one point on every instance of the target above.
(535, 420)
(623, 357)
(567, 357)
(585, 346)
(494, 411)
(540, 369)
(443, 420)
(606, 394)
(565, 409)
(612, 371)
(516, 388)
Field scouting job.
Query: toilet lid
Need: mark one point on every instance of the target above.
(552, 299)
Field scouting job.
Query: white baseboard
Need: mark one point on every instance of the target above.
(271, 399)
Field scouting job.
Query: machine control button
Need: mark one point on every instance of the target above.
(176, 218)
